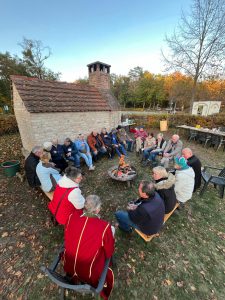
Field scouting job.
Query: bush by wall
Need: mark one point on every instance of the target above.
(153, 121)
(8, 124)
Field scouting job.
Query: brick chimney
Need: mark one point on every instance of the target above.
(99, 75)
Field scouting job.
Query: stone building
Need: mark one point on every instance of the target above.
(48, 109)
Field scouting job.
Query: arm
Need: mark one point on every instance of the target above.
(177, 149)
(76, 198)
(108, 242)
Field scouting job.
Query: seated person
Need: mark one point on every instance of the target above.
(119, 148)
(172, 150)
(124, 139)
(47, 173)
(149, 145)
(84, 151)
(71, 152)
(140, 137)
(164, 184)
(67, 197)
(145, 214)
(57, 155)
(160, 145)
(96, 145)
(185, 180)
(196, 165)
(94, 239)
(31, 163)
(107, 140)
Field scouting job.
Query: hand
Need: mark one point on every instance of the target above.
(131, 206)
(95, 152)
(166, 155)
(68, 154)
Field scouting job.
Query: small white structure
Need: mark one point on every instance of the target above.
(206, 108)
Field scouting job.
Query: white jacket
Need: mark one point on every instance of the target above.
(75, 196)
(184, 184)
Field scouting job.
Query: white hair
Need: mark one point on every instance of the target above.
(92, 203)
(161, 171)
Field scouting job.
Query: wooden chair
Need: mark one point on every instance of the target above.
(64, 282)
(217, 180)
(148, 238)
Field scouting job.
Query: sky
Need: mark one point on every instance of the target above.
(122, 33)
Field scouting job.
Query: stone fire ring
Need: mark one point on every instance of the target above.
(127, 178)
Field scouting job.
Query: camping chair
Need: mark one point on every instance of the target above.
(64, 282)
(216, 180)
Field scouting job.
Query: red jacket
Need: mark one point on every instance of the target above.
(88, 243)
(61, 207)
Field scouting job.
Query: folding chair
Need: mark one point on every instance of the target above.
(64, 282)
(217, 180)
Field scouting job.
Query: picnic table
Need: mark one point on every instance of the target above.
(214, 136)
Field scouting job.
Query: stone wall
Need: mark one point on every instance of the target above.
(23, 118)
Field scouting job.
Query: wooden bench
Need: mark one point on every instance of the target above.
(148, 238)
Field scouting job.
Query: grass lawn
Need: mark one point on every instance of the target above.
(187, 260)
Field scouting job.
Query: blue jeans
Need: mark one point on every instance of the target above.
(124, 221)
(76, 159)
(120, 150)
(153, 155)
(147, 152)
(129, 145)
(87, 157)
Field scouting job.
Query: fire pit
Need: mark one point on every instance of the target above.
(123, 172)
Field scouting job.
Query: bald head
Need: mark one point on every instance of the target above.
(175, 138)
(186, 153)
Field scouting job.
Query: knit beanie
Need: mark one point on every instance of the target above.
(181, 161)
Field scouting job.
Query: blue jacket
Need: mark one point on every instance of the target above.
(82, 145)
(57, 152)
(114, 139)
(71, 148)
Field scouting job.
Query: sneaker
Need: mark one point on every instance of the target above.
(91, 168)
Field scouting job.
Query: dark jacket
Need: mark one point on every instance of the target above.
(30, 169)
(57, 157)
(165, 188)
(149, 215)
(196, 165)
(71, 148)
(106, 139)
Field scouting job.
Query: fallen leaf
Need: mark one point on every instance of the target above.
(180, 283)
(193, 288)
(5, 234)
(167, 282)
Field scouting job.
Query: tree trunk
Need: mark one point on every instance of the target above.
(193, 96)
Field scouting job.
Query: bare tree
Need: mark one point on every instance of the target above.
(34, 57)
(197, 46)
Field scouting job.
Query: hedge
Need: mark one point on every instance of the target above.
(152, 121)
(8, 124)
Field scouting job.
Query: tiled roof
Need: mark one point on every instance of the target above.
(40, 96)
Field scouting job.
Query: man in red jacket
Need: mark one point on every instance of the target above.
(67, 197)
(89, 242)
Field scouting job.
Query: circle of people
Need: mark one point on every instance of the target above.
(88, 239)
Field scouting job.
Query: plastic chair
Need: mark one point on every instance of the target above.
(193, 135)
(64, 282)
(204, 137)
(218, 180)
